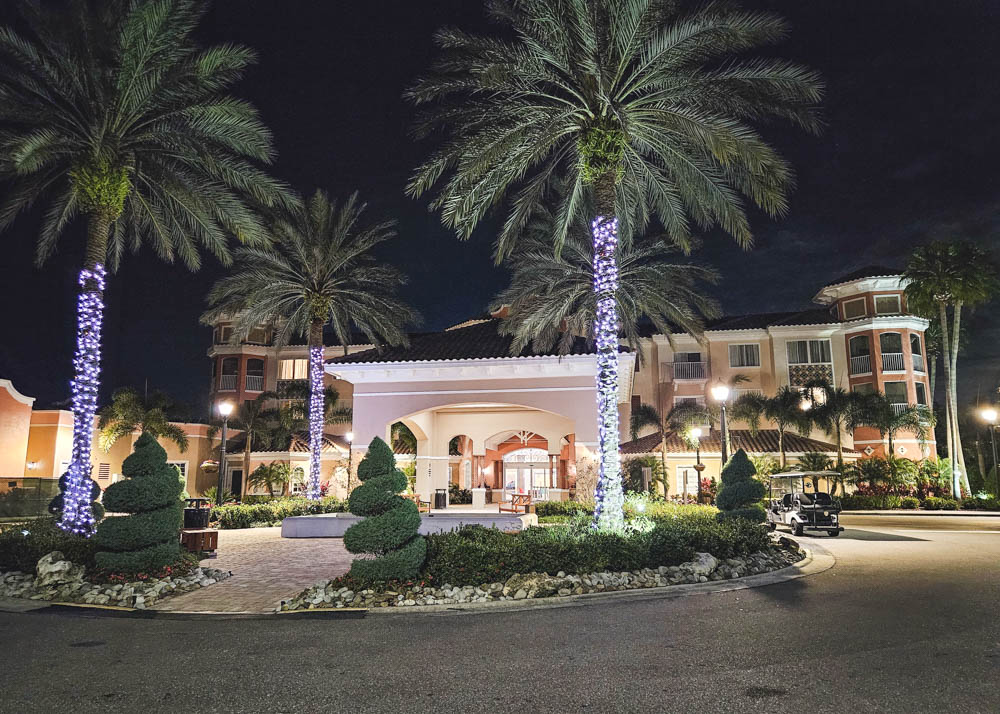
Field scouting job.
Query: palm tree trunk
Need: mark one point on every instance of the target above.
(953, 379)
(663, 460)
(608, 495)
(781, 446)
(77, 515)
(247, 448)
(315, 407)
(949, 430)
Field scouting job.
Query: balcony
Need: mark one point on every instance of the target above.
(899, 408)
(892, 362)
(918, 363)
(862, 364)
(227, 382)
(255, 383)
(680, 371)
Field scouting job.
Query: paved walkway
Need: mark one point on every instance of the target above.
(266, 569)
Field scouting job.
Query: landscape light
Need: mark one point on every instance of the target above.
(608, 511)
(225, 408)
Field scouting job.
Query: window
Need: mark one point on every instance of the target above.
(860, 347)
(809, 352)
(700, 401)
(687, 357)
(921, 394)
(223, 334)
(230, 365)
(298, 480)
(182, 466)
(887, 305)
(636, 401)
(890, 342)
(103, 472)
(257, 336)
(744, 355)
(864, 388)
(293, 369)
(896, 391)
(915, 345)
(853, 309)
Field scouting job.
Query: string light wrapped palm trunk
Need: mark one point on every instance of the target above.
(316, 416)
(608, 495)
(77, 513)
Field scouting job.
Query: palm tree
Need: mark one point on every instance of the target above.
(256, 419)
(642, 104)
(322, 272)
(834, 410)
(403, 439)
(551, 297)
(130, 412)
(111, 113)
(880, 413)
(946, 276)
(784, 409)
(815, 461)
(270, 476)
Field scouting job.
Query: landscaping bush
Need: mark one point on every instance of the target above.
(459, 496)
(740, 492)
(934, 503)
(388, 533)
(476, 555)
(20, 551)
(563, 508)
(266, 513)
(949, 504)
(990, 503)
(149, 537)
(861, 502)
(909, 502)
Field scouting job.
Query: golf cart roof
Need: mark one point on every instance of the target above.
(800, 474)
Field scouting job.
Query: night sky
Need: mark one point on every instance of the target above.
(909, 154)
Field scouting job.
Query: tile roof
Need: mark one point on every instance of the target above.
(760, 321)
(766, 441)
(869, 271)
(299, 444)
(479, 340)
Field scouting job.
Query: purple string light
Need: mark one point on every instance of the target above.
(77, 515)
(315, 420)
(608, 494)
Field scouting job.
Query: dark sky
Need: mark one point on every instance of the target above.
(909, 154)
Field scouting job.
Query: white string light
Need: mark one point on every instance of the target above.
(315, 420)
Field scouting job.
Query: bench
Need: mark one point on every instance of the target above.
(519, 503)
(422, 506)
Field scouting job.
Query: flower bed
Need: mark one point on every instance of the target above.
(891, 502)
(270, 513)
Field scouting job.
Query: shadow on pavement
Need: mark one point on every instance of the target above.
(857, 534)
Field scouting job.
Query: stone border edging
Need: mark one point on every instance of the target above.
(817, 560)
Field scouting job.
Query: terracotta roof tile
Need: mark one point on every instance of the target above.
(766, 441)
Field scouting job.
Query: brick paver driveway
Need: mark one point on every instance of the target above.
(266, 569)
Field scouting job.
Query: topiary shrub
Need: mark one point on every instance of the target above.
(389, 531)
(148, 538)
(56, 504)
(740, 491)
(909, 502)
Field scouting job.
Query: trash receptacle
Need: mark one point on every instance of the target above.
(195, 515)
(440, 498)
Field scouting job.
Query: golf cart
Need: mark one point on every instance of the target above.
(794, 502)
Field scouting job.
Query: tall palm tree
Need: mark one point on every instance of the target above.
(880, 413)
(834, 410)
(112, 114)
(323, 272)
(256, 418)
(784, 410)
(946, 276)
(130, 411)
(644, 104)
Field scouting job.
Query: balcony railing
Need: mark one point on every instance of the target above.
(255, 383)
(684, 370)
(918, 363)
(892, 362)
(899, 408)
(862, 364)
(227, 382)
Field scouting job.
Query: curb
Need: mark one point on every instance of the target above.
(817, 560)
(113, 611)
(924, 513)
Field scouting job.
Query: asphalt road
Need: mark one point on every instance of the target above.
(907, 621)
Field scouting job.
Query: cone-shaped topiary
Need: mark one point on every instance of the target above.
(56, 504)
(389, 531)
(740, 492)
(147, 539)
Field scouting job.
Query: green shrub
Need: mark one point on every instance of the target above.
(990, 503)
(740, 491)
(934, 503)
(272, 511)
(949, 504)
(458, 496)
(388, 533)
(909, 502)
(563, 508)
(20, 551)
(148, 538)
(860, 502)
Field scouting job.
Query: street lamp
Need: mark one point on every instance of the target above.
(350, 440)
(698, 466)
(720, 392)
(225, 409)
(989, 415)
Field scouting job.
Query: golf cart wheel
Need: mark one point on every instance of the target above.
(797, 528)
(834, 534)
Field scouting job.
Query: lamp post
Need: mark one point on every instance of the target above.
(350, 441)
(720, 392)
(990, 417)
(698, 466)
(225, 409)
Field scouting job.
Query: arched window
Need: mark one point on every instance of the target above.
(891, 346)
(861, 355)
(230, 373)
(917, 353)
(255, 375)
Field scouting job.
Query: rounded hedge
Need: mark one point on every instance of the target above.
(740, 492)
(389, 533)
(148, 538)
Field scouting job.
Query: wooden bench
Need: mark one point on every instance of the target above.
(422, 506)
(199, 540)
(519, 503)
